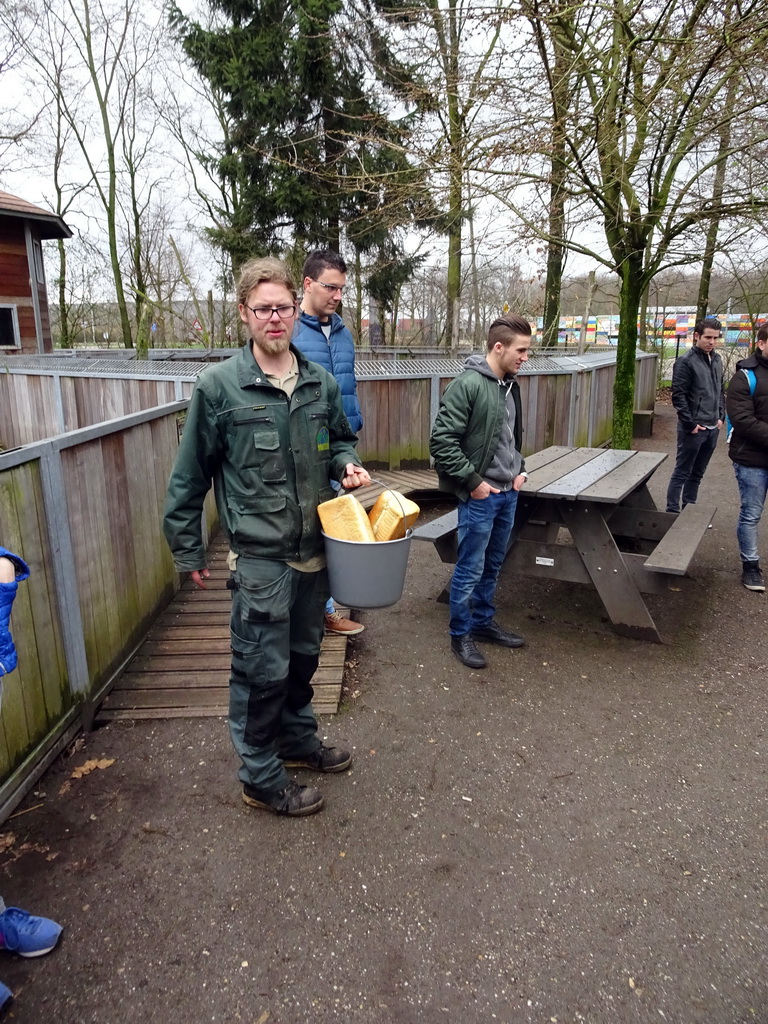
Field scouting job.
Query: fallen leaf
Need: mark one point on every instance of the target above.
(631, 982)
(89, 766)
(65, 787)
(74, 747)
(7, 839)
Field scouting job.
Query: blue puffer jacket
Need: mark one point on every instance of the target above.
(7, 595)
(337, 356)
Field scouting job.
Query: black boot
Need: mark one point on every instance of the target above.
(464, 649)
(752, 577)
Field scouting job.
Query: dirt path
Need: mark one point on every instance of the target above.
(577, 834)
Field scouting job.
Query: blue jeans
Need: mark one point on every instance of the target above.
(693, 454)
(753, 484)
(483, 534)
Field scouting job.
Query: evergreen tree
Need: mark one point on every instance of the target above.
(311, 149)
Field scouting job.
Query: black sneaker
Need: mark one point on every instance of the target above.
(293, 801)
(464, 649)
(324, 759)
(493, 633)
(752, 577)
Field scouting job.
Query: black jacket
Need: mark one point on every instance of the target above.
(749, 414)
(697, 388)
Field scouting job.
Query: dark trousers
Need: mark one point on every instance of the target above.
(693, 454)
(276, 631)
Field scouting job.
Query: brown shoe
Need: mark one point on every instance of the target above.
(336, 623)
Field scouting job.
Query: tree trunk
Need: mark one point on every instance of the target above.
(644, 319)
(710, 246)
(450, 58)
(65, 335)
(591, 288)
(453, 283)
(558, 176)
(630, 295)
(476, 324)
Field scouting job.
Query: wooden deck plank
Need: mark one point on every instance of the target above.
(177, 631)
(182, 668)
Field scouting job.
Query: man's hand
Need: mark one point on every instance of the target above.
(483, 490)
(197, 577)
(720, 424)
(518, 482)
(356, 476)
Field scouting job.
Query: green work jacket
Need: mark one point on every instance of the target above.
(467, 428)
(270, 458)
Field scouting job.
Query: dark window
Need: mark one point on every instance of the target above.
(37, 250)
(9, 328)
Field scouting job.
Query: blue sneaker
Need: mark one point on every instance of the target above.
(27, 935)
(5, 997)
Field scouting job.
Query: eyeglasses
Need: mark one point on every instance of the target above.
(265, 312)
(331, 287)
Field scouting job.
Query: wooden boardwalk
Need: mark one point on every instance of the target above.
(182, 668)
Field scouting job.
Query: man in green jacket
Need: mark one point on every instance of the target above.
(268, 429)
(475, 442)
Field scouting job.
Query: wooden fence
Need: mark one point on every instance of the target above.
(566, 399)
(84, 510)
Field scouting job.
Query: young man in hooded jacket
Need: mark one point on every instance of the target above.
(475, 442)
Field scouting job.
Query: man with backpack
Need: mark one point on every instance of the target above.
(697, 395)
(747, 404)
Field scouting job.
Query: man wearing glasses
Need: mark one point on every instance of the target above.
(323, 337)
(267, 428)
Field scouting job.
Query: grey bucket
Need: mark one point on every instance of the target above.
(367, 575)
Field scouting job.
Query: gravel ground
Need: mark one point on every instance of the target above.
(575, 834)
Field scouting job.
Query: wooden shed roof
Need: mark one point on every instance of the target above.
(50, 225)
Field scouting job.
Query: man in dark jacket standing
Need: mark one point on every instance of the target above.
(748, 412)
(697, 394)
(475, 442)
(267, 428)
(322, 336)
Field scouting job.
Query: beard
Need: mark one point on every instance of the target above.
(273, 346)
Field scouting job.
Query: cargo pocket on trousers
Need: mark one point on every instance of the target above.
(264, 597)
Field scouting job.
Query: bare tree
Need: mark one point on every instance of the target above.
(643, 138)
(94, 60)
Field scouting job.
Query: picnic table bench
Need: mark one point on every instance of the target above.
(618, 540)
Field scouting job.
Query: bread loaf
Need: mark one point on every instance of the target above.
(344, 518)
(392, 515)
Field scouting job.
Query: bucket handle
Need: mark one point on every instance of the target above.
(386, 487)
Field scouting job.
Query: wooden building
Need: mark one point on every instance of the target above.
(25, 324)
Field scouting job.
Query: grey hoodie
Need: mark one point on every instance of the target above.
(507, 460)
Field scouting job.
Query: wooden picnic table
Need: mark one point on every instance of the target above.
(585, 515)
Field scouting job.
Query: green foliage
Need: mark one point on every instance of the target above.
(311, 154)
